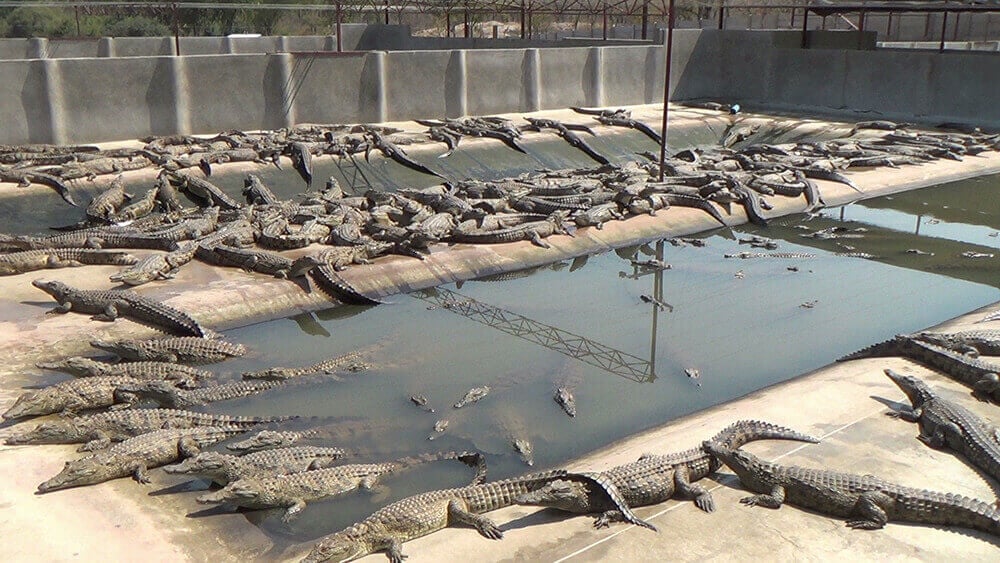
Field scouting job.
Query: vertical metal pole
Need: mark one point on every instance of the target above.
(522, 20)
(465, 18)
(604, 20)
(496, 31)
(645, 18)
(944, 24)
(954, 33)
(177, 30)
(791, 18)
(386, 12)
(340, 19)
(447, 23)
(888, 27)
(531, 32)
(666, 87)
(722, 14)
(77, 10)
(861, 28)
(805, 26)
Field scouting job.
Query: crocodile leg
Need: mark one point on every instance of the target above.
(937, 440)
(139, 472)
(537, 239)
(62, 308)
(482, 524)
(109, 315)
(773, 500)
(99, 441)
(682, 483)
(292, 512)
(873, 516)
(54, 262)
(394, 551)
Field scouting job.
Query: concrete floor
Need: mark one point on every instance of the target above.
(117, 521)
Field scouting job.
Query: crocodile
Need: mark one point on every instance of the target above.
(422, 514)
(268, 439)
(254, 260)
(654, 479)
(786, 255)
(328, 280)
(136, 455)
(25, 178)
(535, 231)
(564, 397)
(94, 237)
(99, 430)
(597, 215)
(256, 192)
(108, 305)
(301, 160)
(945, 424)
(156, 266)
(32, 260)
(378, 141)
(473, 395)
(866, 500)
(972, 341)
(107, 203)
(351, 361)
(143, 371)
(185, 349)
(138, 208)
(203, 190)
(169, 396)
(292, 491)
(975, 373)
(224, 468)
(523, 448)
(69, 397)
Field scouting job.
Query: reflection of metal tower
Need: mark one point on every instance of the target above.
(573, 345)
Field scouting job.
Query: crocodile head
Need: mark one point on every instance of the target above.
(241, 492)
(76, 365)
(49, 432)
(569, 496)
(338, 547)
(205, 463)
(76, 473)
(112, 346)
(155, 390)
(55, 288)
(916, 390)
(742, 463)
(265, 439)
(303, 264)
(34, 403)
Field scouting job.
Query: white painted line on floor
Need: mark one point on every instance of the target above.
(731, 478)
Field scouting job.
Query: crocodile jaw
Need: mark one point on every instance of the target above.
(76, 473)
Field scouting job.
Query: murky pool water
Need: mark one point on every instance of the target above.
(742, 324)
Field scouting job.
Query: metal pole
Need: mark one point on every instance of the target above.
(465, 17)
(340, 17)
(944, 24)
(666, 87)
(805, 25)
(177, 30)
(954, 33)
(386, 12)
(447, 23)
(888, 27)
(861, 28)
(722, 14)
(645, 18)
(522, 19)
(604, 18)
(530, 31)
(77, 10)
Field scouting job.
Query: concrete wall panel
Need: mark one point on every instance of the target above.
(234, 91)
(417, 83)
(72, 48)
(326, 89)
(806, 77)
(966, 85)
(22, 112)
(143, 46)
(889, 82)
(567, 77)
(496, 81)
(137, 100)
(626, 75)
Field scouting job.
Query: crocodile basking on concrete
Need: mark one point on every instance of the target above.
(972, 372)
(654, 479)
(973, 342)
(867, 501)
(31, 260)
(224, 468)
(169, 396)
(183, 376)
(156, 266)
(70, 397)
(137, 455)
(944, 424)
(108, 305)
(183, 349)
(99, 430)
(292, 491)
(422, 514)
(255, 260)
(535, 231)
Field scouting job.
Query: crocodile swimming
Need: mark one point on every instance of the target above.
(108, 305)
(294, 490)
(224, 468)
(182, 349)
(99, 430)
(473, 395)
(422, 514)
(868, 502)
(136, 456)
(564, 397)
(654, 479)
(350, 361)
(948, 425)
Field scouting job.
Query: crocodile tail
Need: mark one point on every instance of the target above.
(883, 349)
(615, 496)
(744, 431)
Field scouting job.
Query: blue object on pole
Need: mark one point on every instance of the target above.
(734, 109)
